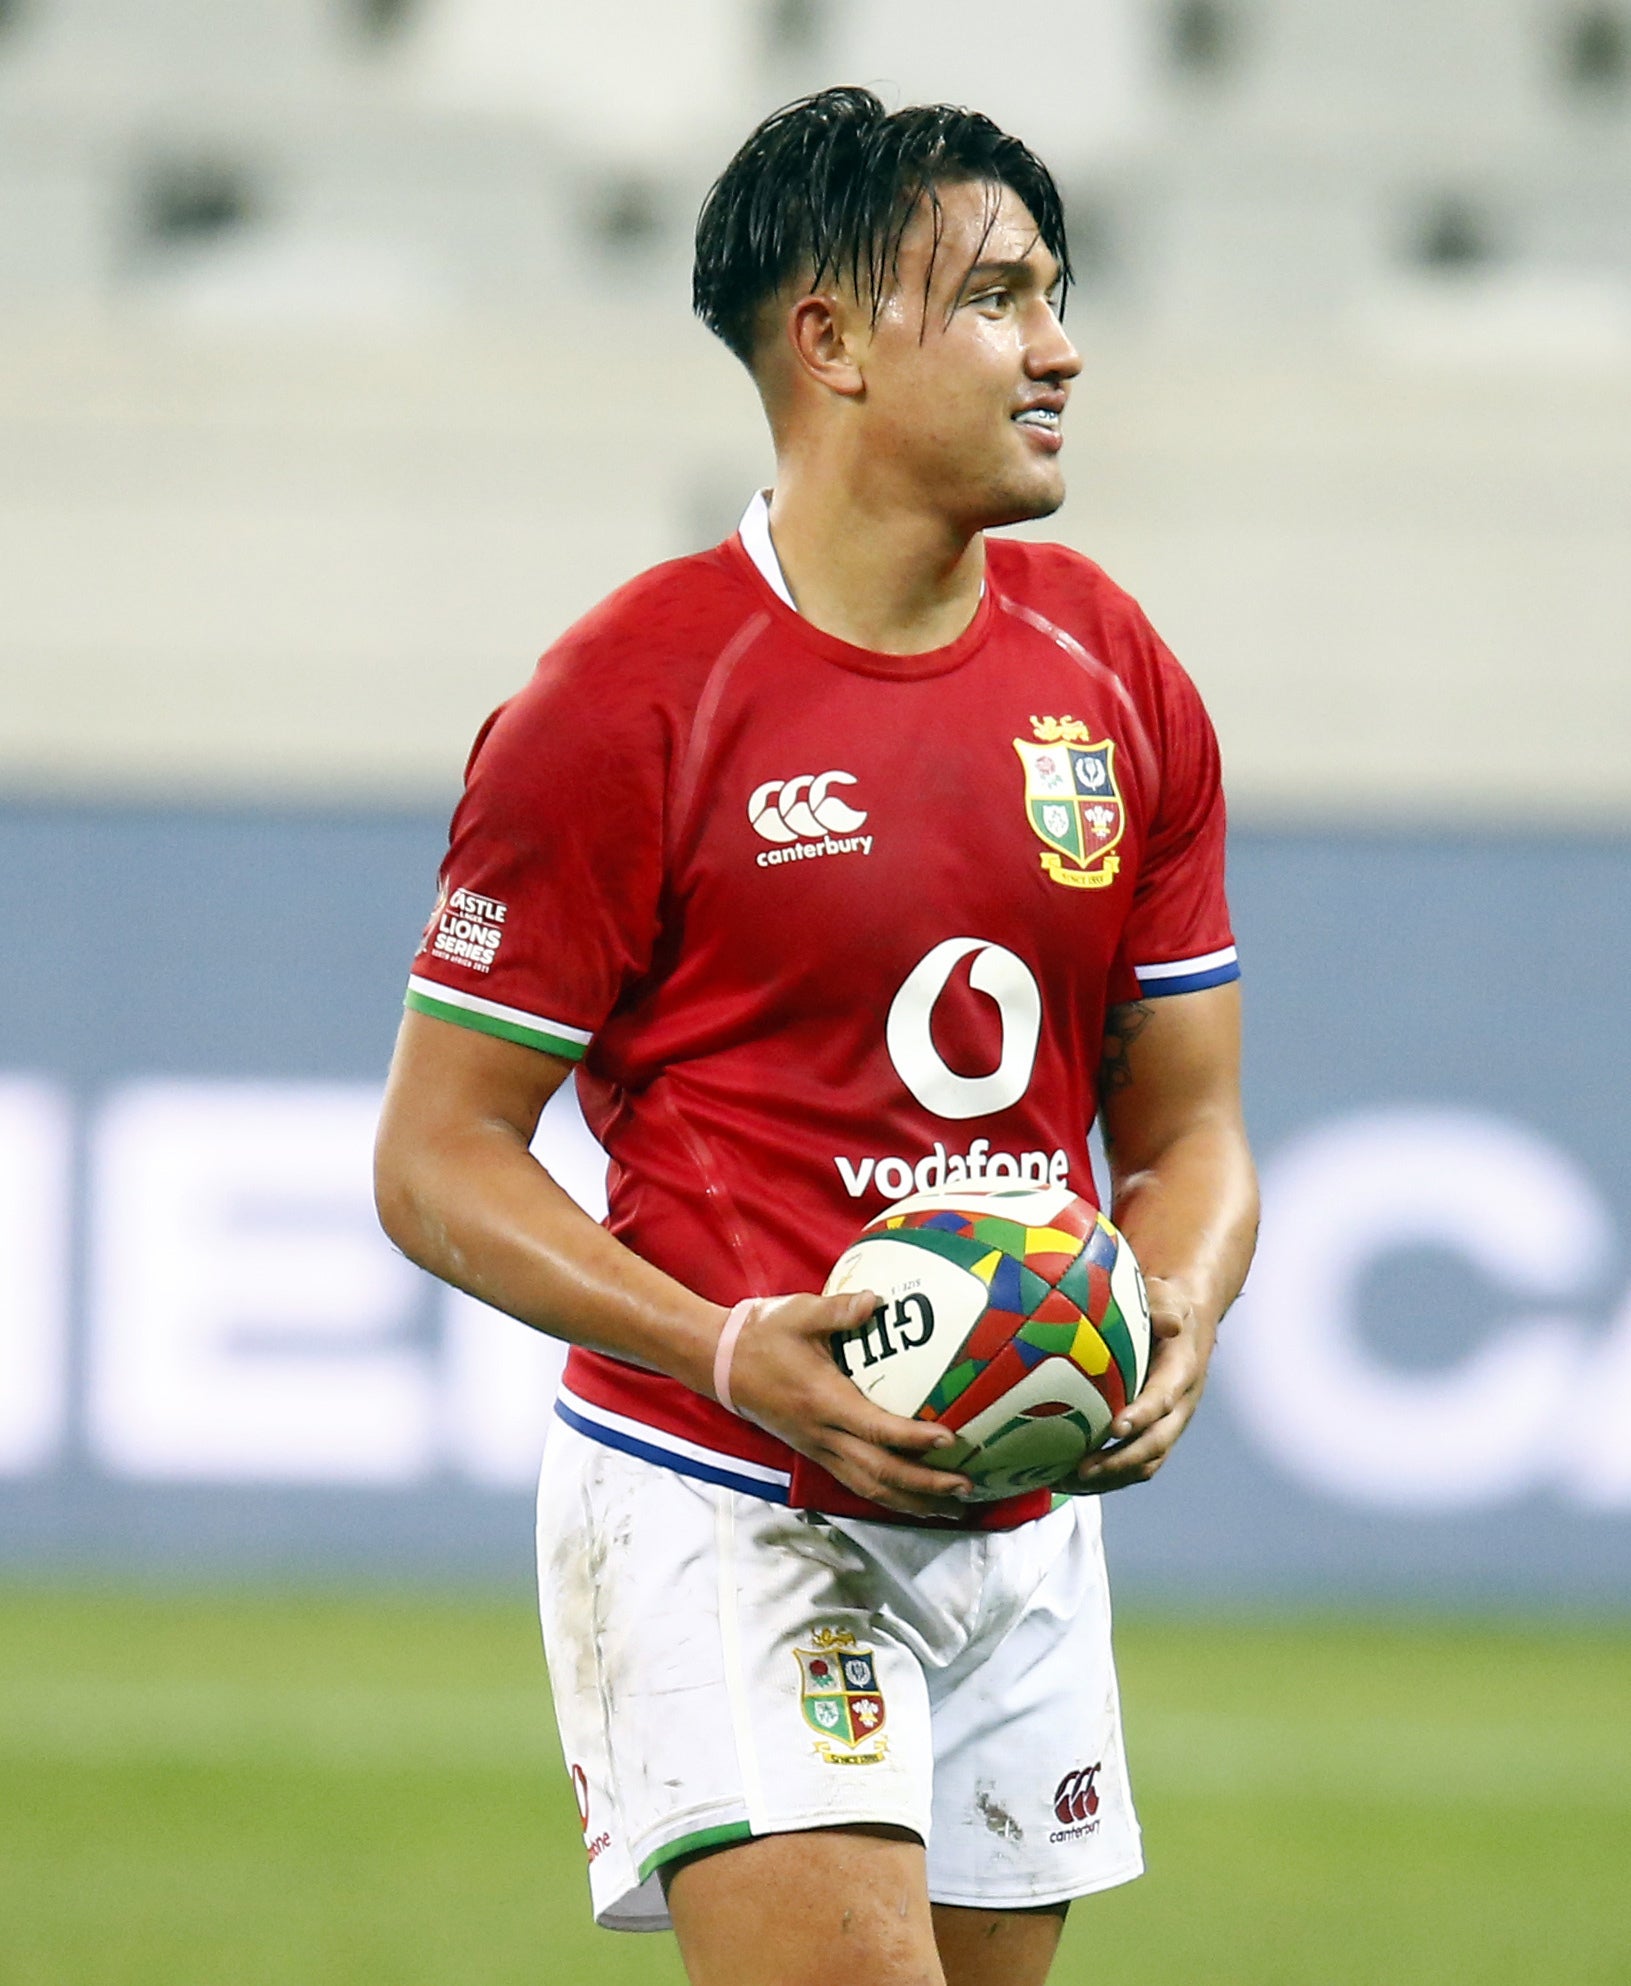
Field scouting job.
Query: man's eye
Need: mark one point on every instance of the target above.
(993, 299)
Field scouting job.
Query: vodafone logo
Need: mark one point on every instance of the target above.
(804, 818)
(594, 1844)
(909, 1036)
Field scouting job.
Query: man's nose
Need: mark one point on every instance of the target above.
(1052, 355)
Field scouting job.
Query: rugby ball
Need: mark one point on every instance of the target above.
(1017, 1318)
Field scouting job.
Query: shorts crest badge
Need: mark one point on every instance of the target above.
(1072, 801)
(840, 1697)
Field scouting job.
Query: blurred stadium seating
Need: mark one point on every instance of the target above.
(390, 294)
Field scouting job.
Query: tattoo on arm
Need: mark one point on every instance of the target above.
(1122, 1027)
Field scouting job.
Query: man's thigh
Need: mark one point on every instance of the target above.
(844, 1903)
(997, 1947)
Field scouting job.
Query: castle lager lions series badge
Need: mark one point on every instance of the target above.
(840, 1698)
(1071, 801)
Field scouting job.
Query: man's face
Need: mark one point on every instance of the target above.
(966, 385)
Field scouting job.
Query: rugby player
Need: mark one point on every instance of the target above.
(861, 854)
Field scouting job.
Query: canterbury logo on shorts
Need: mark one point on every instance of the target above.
(1076, 1797)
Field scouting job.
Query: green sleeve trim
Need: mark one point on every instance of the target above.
(689, 1844)
(528, 1037)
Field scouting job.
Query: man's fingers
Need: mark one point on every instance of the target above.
(873, 1451)
(1151, 1406)
(883, 1478)
(1171, 1312)
(840, 1313)
(1133, 1461)
(887, 1430)
(1136, 1456)
(1173, 1372)
(1103, 1481)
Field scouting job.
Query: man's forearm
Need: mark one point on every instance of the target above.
(1190, 1213)
(481, 1213)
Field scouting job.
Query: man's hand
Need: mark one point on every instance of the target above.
(784, 1379)
(1145, 1431)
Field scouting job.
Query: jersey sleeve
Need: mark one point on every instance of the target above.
(1178, 937)
(548, 900)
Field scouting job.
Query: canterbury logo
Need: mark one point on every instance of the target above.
(1076, 1798)
(803, 809)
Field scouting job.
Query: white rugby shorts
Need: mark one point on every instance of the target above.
(724, 1667)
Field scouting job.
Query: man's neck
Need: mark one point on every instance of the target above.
(891, 580)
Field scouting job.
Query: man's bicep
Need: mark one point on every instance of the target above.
(1168, 1064)
(446, 1078)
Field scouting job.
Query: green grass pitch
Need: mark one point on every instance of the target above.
(299, 1789)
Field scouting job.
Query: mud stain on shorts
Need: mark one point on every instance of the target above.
(999, 1821)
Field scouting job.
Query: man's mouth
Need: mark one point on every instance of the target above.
(1045, 419)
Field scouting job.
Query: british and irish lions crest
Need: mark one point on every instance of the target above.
(840, 1697)
(1072, 801)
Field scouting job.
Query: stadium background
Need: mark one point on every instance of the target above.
(344, 358)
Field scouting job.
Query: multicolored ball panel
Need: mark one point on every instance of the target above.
(1050, 1297)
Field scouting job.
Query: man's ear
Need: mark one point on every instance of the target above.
(826, 343)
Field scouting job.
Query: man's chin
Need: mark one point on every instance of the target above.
(1025, 505)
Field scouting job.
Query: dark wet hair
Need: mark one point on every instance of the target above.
(828, 185)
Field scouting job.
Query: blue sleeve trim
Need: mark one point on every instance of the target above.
(1159, 988)
(1191, 975)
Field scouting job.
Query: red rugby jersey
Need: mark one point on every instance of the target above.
(822, 927)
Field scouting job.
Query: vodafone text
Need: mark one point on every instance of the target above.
(895, 1177)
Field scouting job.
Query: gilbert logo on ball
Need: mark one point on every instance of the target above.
(1016, 1318)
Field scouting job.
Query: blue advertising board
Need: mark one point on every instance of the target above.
(212, 1363)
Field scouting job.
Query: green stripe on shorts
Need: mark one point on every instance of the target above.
(690, 1844)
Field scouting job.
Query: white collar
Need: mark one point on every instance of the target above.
(754, 531)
